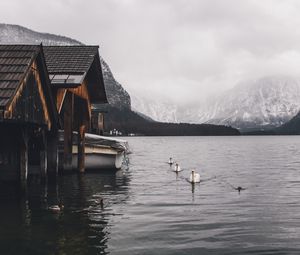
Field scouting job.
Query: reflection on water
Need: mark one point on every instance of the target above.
(149, 209)
(167, 215)
(29, 227)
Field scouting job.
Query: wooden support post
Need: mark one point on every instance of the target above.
(68, 131)
(81, 148)
(52, 151)
(24, 158)
(43, 158)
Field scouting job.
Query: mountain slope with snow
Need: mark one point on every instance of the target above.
(265, 103)
(11, 34)
(158, 110)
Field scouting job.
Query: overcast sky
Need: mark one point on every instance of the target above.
(182, 49)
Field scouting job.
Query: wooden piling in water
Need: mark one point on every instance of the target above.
(24, 158)
(43, 158)
(52, 156)
(68, 130)
(81, 149)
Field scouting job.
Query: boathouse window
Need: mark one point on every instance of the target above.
(60, 78)
(76, 79)
(66, 78)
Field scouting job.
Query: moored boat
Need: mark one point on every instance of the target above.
(100, 157)
(100, 152)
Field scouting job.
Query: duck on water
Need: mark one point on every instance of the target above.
(239, 189)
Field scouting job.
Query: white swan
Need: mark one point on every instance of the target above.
(194, 177)
(171, 162)
(177, 168)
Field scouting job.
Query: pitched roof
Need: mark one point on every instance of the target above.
(14, 62)
(68, 66)
(69, 59)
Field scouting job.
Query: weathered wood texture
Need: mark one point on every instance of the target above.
(60, 97)
(82, 92)
(97, 123)
(52, 153)
(27, 112)
(24, 158)
(25, 94)
(81, 149)
(10, 137)
(68, 113)
(29, 104)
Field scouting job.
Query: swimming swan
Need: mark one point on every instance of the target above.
(177, 168)
(194, 177)
(170, 162)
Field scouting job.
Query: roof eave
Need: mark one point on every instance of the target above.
(65, 85)
(99, 101)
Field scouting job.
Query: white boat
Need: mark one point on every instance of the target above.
(100, 152)
(99, 157)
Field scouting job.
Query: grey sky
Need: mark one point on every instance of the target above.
(180, 49)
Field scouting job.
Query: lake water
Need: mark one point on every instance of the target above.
(148, 209)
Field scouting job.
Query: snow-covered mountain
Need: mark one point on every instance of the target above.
(15, 34)
(267, 102)
(11, 34)
(158, 110)
(264, 103)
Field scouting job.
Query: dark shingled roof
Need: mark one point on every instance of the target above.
(14, 63)
(69, 59)
(70, 65)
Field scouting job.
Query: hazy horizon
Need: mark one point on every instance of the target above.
(174, 49)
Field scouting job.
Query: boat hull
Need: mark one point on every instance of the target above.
(100, 161)
(100, 152)
(99, 158)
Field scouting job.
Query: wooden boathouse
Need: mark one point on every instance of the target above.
(77, 82)
(44, 90)
(28, 117)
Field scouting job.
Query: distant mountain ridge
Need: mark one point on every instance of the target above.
(11, 34)
(15, 34)
(262, 104)
(265, 103)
